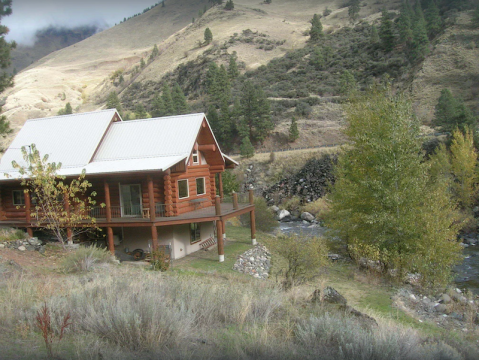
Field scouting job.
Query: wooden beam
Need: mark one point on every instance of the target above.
(154, 238)
(251, 196)
(28, 212)
(219, 237)
(253, 227)
(220, 181)
(30, 232)
(66, 205)
(235, 201)
(218, 205)
(223, 227)
(208, 147)
(151, 197)
(69, 236)
(111, 243)
(168, 194)
(107, 200)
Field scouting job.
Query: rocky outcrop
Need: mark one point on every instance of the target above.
(310, 183)
(255, 262)
(31, 244)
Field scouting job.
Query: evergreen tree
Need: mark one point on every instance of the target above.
(384, 203)
(347, 83)
(223, 86)
(386, 32)
(233, 71)
(213, 119)
(255, 110)
(433, 19)
(167, 100)
(113, 102)
(229, 5)
(179, 101)
(451, 114)
(68, 109)
(208, 36)
(157, 107)
(293, 131)
(142, 63)
(316, 31)
(246, 148)
(154, 52)
(405, 22)
(140, 112)
(211, 78)
(317, 59)
(374, 35)
(420, 41)
(353, 10)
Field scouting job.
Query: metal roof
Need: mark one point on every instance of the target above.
(69, 139)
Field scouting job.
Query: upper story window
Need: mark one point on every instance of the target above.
(183, 189)
(200, 186)
(18, 197)
(196, 157)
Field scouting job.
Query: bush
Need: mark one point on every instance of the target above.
(86, 258)
(9, 234)
(265, 219)
(160, 261)
(318, 208)
(292, 204)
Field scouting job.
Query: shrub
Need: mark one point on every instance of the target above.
(265, 220)
(318, 208)
(292, 204)
(85, 258)
(9, 234)
(160, 261)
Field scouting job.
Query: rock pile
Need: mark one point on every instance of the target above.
(255, 262)
(31, 244)
(309, 183)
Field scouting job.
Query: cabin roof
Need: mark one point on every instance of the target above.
(95, 142)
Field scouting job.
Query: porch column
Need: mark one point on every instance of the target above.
(252, 218)
(66, 205)
(219, 230)
(223, 227)
(168, 194)
(28, 211)
(151, 197)
(107, 200)
(235, 201)
(220, 181)
(111, 244)
(154, 237)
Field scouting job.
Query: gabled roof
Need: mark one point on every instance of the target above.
(92, 141)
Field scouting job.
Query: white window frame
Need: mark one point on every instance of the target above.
(13, 197)
(197, 154)
(187, 188)
(204, 186)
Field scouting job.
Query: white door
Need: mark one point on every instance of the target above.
(130, 197)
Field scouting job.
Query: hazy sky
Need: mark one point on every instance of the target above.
(31, 15)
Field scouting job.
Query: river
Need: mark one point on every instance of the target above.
(466, 275)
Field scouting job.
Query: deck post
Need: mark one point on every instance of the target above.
(111, 243)
(66, 205)
(223, 227)
(154, 237)
(28, 211)
(151, 197)
(253, 227)
(30, 232)
(168, 194)
(107, 200)
(219, 230)
(251, 196)
(220, 185)
(235, 201)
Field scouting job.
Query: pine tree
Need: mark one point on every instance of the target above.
(246, 148)
(353, 10)
(317, 59)
(208, 36)
(113, 102)
(293, 131)
(384, 203)
(229, 5)
(386, 32)
(255, 110)
(452, 114)
(347, 83)
(233, 71)
(405, 22)
(374, 35)
(167, 100)
(154, 53)
(316, 31)
(211, 78)
(179, 100)
(213, 119)
(420, 41)
(433, 19)
(142, 63)
(157, 107)
(223, 86)
(140, 112)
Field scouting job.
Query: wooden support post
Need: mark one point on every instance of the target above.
(154, 237)
(28, 210)
(111, 243)
(69, 236)
(151, 197)
(30, 232)
(219, 230)
(253, 227)
(66, 205)
(223, 227)
(168, 194)
(220, 181)
(107, 200)
(235, 201)
(251, 196)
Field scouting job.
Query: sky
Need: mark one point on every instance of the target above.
(28, 16)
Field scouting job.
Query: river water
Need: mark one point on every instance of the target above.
(466, 275)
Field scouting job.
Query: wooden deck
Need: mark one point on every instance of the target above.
(201, 215)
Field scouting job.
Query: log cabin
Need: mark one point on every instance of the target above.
(159, 179)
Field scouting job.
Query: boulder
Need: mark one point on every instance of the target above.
(2, 246)
(331, 296)
(446, 299)
(365, 320)
(275, 208)
(307, 216)
(22, 248)
(34, 241)
(440, 308)
(284, 215)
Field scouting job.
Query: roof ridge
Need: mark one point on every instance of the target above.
(70, 115)
(139, 157)
(158, 118)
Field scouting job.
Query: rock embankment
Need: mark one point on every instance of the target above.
(310, 183)
(31, 244)
(255, 262)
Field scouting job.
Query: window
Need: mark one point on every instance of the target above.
(200, 186)
(18, 197)
(195, 157)
(183, 189)
(195, 233)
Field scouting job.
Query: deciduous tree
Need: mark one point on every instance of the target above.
(6, 80)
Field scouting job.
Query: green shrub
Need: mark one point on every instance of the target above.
(160, 260)
(292, 204)
(86, 258)
(265, 219)
(9, 234)
(318, 208)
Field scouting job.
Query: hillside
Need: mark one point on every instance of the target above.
(257, 33)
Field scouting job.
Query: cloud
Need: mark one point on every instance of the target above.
(28, 16)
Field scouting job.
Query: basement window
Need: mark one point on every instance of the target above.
(18, 197)
(183, 189)
(195, 233)
(196, 159)
(200, 186)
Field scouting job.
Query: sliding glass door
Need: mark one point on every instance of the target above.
(130, 197)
